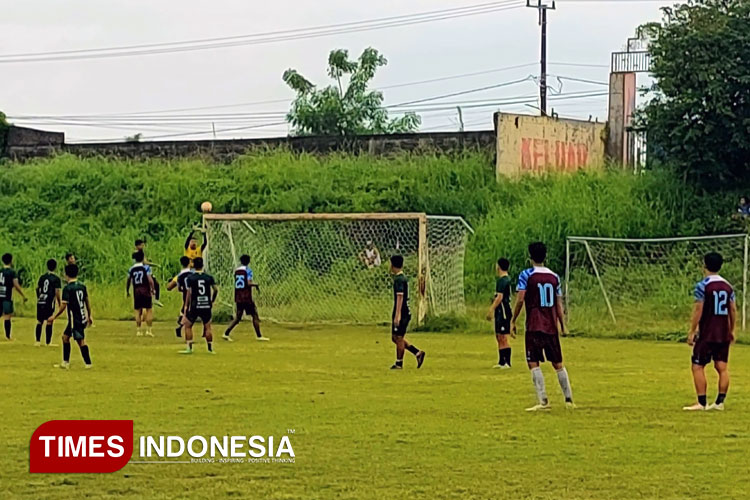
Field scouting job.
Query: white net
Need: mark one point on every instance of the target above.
(645, 286)
(318, 269)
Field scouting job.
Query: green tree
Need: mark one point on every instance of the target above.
(699, 117)
(347, 107)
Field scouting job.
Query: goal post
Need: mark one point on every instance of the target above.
(334, 268)
(646, 285)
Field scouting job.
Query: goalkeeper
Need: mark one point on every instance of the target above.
(192, 250)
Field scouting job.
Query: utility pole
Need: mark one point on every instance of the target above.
(460, 119)
(542, 7)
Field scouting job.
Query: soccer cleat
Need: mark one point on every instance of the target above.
(397, 367)
(212, 352)
(539, 407)
(63, 365)
(158, 303)
(695, 407)
(52, 345)
(262, 339)
(716, 407)
(505, 367)
(186, 351)
(139, 333)
(88, 367)
(37, 344)
(149, 333)
(498, 366)
(570, 405)
(420, 359)
(227, 338)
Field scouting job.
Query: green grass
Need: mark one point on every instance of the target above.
(455, 429)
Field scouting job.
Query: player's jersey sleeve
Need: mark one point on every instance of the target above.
(700, 291)
(499, 285)
(399, 285)
(249, 274)
(56, 283)
(523, 280)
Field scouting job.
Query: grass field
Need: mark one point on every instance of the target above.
(454, 429)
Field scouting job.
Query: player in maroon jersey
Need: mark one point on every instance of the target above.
(539, 290)
(712, 331)
(243, 298)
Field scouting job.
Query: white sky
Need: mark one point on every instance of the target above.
(582, 32)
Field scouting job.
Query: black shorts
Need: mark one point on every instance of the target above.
(44, 312)
(142, 302)
(248, 308)
(400, 330)
(539, 345)
(75, 330)
(193, 315)
(502, 322)
(704, 352)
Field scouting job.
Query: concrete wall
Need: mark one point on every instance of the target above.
(622, 95)
(23, 142)
(226, 150)
(536, 144)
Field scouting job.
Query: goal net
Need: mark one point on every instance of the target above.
(645, 285)
(323, 268)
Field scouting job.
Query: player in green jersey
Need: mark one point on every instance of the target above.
(8, 283)
(75, 300)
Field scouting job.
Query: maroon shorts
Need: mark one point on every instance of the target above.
(248, 308)
(704, 352)
(539, 345)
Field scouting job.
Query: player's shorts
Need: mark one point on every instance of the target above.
(502, 322)
(194, 314)
(248, 308)
(44, 312)
(6, 307)
(539, 345)
(143, 302)
(75, 330)
(400, 330)
(704, 352)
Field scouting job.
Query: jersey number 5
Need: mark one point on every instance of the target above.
(546, 294)
(720, 303)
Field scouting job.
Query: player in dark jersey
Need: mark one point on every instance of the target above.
(47, 295)
(501, 313)
(201, 295)
(712, 331)
(401, 315)
(539, 291)
(75, 299)
(8, 283)
(143, 291)
(178, 282)
(243, 298)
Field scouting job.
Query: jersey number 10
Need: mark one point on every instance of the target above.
(720, 303)
(546, 294)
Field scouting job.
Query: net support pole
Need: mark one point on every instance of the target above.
(744, 286)
(205, 252)
(567, 279)
(601, 283)
(421, 272)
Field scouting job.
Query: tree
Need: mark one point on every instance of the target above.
(699, 118)
(335, 110)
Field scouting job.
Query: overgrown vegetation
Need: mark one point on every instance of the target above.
(97, 207)
(699, 117)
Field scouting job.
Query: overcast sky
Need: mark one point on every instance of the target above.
(580, 32)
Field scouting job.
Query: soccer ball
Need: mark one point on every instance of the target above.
(206, 206)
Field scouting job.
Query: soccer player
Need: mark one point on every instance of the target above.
(179, 283)
(75, 298)
(539, 291)
(243, 298)
(140, 245)
(8, 283)
(401, 315)
(192, 250)
(501, 312)
(143, 291)
(712, 331)
(201, 295)
(47, 294)
(70, 259)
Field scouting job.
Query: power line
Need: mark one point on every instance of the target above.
(264, 38)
